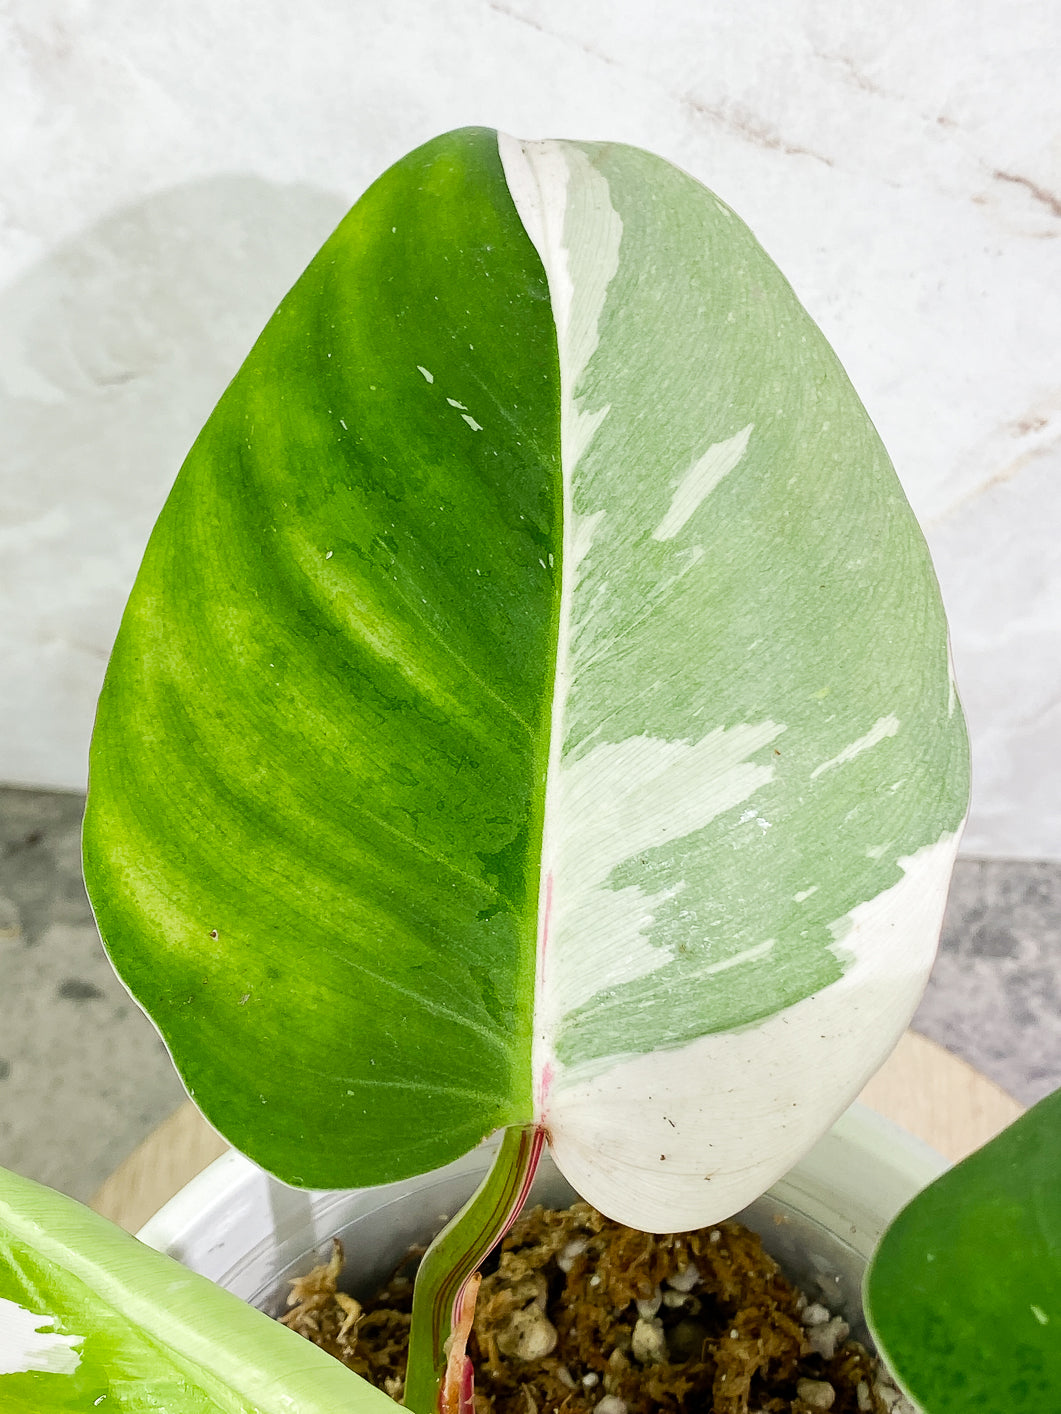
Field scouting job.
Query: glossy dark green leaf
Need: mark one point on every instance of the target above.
(964, 1293)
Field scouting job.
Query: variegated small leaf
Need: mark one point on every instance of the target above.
(92, 1320)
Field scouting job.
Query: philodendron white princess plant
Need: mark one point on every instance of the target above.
(533, 713)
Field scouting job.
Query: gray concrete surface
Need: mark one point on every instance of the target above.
(84, 1077)
(83, 1074)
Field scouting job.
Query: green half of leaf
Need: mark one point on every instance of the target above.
(92, 1320)
(964, 1293)
(317, 777)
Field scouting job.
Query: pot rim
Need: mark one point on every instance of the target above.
(871, 1166)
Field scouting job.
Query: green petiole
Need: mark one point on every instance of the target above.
(456, 1253)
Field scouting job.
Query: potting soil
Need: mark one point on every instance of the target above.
(583, 1316)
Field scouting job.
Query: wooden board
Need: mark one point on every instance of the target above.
(940, 1098)
(922, 1087)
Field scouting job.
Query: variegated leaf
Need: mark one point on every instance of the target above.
(92, 1320)
(534, 703)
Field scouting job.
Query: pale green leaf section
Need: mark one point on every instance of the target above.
(91, 1319)
(753, 732)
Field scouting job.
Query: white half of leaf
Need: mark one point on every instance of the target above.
(773, 1081)
(26, 1346)
(669, 442)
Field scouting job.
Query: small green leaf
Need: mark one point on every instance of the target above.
(92, 1320)
(964, 1292)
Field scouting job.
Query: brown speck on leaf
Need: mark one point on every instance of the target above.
(213, 933)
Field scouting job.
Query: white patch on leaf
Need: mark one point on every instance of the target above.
(565, 206)
(25, 1346)
(754, 954)
(613, 927)
(756, 1092)
(700, 480)
(611, 805)
(885, 727)
(537, 176)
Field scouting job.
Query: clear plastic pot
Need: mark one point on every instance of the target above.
(251, 1234)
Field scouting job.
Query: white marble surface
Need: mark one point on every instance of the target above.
(167, 171)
